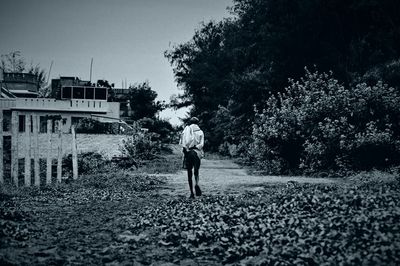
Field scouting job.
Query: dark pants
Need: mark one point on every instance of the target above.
(192, 162)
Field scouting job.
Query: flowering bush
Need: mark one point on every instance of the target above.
(317, 124)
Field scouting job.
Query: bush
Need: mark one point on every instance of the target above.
(319, 125)
(88, 163)
(92, 126)
(141, 147)
(162, 129)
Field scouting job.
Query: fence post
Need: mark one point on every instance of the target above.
(60, 153)
(27, 139)
(48, 154)
(14, 146)
(74, 154)
(36, 156)
(1, 148)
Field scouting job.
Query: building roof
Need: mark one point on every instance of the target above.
(23, 92)
(6, 93)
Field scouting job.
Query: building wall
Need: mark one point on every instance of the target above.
(68, 110)
(105, 144)
(20, 81)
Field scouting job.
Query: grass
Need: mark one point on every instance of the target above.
(169, 164)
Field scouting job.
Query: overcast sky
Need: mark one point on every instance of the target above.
(125, 38)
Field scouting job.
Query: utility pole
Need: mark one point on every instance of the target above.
(91, 65)
(48, 76)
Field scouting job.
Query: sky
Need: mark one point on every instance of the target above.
(125, 38)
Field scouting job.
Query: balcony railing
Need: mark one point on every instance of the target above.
(41, 104)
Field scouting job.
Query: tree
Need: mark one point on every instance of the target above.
(142, 101)
(240, 63)
(13, 62)
(106, 84)
(202, 69)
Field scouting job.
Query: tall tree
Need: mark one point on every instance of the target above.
(143, 101)
(239, 63)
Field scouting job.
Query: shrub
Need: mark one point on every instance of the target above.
(88, 163)
(92, 126)
(141, 147)
(319, 125)
(162, 129)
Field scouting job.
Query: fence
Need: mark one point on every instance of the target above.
(29, 163)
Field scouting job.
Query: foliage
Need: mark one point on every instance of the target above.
(318, 125)
(13, 62)
(93, 126)
(240, 62)
(142, 101)
(125, 220)
(141, 147)
(168, 164)
(305, 224)
(106, 84)
(88, 163)
(116, 180)
(162, 130)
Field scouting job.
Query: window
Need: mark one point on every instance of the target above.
(6, 120)
(21, 123)
(101, 94)
(66, 92)
(31, 123)
(53, 126)
(78, 93)
(89, 93)
(43, 124)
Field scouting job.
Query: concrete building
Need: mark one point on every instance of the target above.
(20, 84)
(75, 99)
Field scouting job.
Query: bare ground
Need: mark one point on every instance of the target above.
(218, 176)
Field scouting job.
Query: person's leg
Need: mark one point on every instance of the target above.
(190, 181)
(184, 166)
(189, 167)
(196, 175)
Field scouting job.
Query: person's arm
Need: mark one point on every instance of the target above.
(183, 142)
(201, 141)
(181, 139)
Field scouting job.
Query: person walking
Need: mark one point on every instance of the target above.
(192, 142)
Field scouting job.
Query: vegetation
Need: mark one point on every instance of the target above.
(244, 78)
(94, 126)
(88, 163)
(141, 147)
(143, 101)
(230, 67)
(144, 112)
(118, 218)
(317, 124)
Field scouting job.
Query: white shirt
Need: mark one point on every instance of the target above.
(193, 136)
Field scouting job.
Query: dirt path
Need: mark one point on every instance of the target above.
(224, 176)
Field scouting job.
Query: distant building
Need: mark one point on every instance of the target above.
(20, 84)
(73, 99)
(74, 88)
(122, 96)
